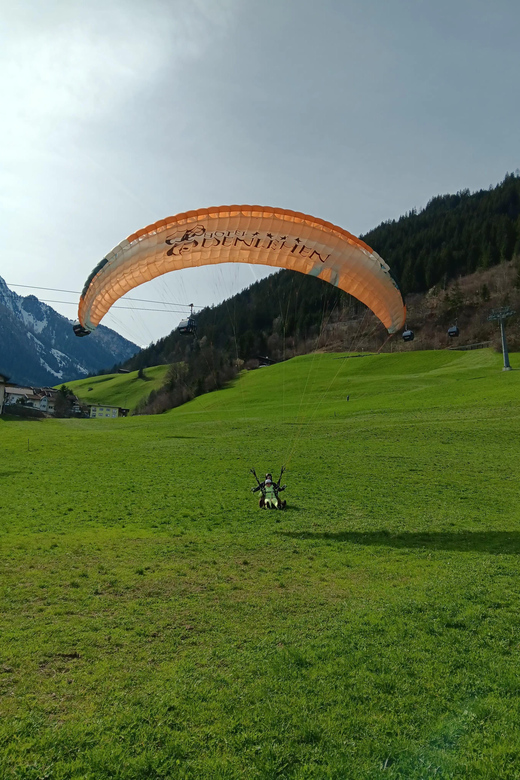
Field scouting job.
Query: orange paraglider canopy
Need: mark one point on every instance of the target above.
(244, 234)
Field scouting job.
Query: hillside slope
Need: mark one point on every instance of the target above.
(306, 389)
(125, 390)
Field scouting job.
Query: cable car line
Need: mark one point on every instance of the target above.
(132, 308)
(75, 292)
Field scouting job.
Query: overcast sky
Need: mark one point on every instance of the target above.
(117, 114)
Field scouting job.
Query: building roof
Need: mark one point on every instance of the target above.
(17, 390)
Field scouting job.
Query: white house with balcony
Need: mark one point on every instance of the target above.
(47, 400)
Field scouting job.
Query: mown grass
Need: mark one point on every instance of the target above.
(155, 624)
(125, 390)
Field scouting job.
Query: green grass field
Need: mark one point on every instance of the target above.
(155, 623)
(124, 390)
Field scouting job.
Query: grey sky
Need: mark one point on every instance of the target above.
(118, 114)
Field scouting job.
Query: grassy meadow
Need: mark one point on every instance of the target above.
(125, 390)
(154, 623)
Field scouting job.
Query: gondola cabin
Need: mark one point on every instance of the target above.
(187, 327)
(408, 335)
(264, 361)
(79, 330)
(453, 332)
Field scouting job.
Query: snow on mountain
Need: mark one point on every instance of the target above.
(38, 346)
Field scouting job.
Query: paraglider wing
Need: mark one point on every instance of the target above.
(244, 234)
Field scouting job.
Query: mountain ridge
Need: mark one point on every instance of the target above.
(38, 346)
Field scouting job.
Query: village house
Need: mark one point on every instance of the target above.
(48, 396)
(3, 380)
(108, 411)
(16, 394)
(41, 398)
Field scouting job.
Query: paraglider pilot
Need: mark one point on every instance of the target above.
(270, 490)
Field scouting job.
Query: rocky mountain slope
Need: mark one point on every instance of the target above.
(38, 347)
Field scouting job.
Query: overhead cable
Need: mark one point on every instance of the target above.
(131, 308)
(75, 292)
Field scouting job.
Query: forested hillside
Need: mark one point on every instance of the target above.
(283, 308)
(454, 235)
(288, 313)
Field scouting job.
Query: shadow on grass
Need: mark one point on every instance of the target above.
(494, 542)
(288, 509)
